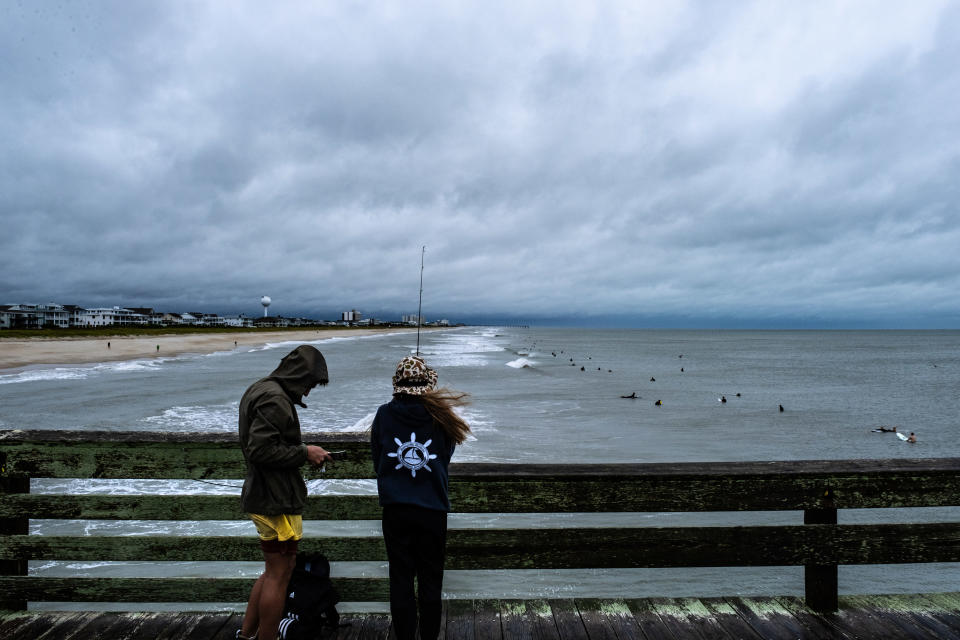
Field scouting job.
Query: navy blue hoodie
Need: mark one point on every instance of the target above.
(411, 455)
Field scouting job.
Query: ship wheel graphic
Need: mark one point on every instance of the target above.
(413, 455)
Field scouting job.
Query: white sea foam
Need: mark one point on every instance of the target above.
(210, 418)
(521, 363)
(81, 372)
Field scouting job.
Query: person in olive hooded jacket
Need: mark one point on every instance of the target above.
(274, 492)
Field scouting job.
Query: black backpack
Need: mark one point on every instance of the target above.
(311, 599)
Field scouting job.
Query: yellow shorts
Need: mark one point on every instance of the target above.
(280, 528)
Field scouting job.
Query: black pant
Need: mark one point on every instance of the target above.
(416, 540)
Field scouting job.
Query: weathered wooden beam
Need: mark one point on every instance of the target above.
(820, 580)
(13, 524)
(555, 548)
(167, 589)
(174, 507)
(173, 457)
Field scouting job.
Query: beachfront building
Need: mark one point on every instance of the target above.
(111, 317)
(153, 318)
(271, 321)
(237, 321)
(413, 319)
(34, 316)
(351, 316)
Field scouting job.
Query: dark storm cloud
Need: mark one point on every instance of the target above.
(701, 160)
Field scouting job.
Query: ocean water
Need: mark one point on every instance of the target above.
(552, 395)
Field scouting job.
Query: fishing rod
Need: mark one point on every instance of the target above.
(423, 250)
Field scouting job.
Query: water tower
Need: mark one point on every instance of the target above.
(265, 301)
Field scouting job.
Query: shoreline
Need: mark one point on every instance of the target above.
(19, 353)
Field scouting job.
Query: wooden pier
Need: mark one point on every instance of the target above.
(817, 489)
(930, 616)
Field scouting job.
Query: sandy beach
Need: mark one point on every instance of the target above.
(15, 354)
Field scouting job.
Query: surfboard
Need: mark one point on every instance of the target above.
(901, 436)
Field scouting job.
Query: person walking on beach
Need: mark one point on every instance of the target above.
(274, 492)
(412, 440)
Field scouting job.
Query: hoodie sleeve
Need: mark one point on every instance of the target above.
(375, 447)
(266, 446)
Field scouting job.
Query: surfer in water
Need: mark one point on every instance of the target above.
(884, 429)
(912, 438)
(632, 396)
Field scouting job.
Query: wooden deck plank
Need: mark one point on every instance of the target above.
(460, 620)
(946, 610)
(64, 627)
(818, 625)
(887, 621)
(947, 628)
(923, 617)
(691, 613)
(112, 626)
(767, 618)
(730, 620)
(595, 621)
(545, 627)
(349, 628)
(649, 621)
(30, 628)
(375, 627)
(517, 622)
(675, 625)
(486, 620)
(569, 624)
(618, 615)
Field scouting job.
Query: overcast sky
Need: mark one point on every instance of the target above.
(636, 163)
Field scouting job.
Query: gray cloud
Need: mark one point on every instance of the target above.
(746, 161)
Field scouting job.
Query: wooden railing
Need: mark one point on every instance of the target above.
(818, 488)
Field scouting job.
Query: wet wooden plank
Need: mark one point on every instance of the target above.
(594, 620)
(484, 487)
(121, 455)
(885, 611)
(767, 618)
(459, 620)
(375, 627)
(930, 614)
(349, 629)
(30, 627)
(544, 624)
(568, 621)
(41, 589)
(689, 613)
(63, 627)
(817, 624)
(648, 620)
(944, 607)
(516, 621)
(728, 618)
(606, 619)
(486, 620)
(174, 507)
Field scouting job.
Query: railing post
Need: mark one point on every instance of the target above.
(820, 580)
(14, 526)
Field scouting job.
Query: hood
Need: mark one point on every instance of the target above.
(299, 371)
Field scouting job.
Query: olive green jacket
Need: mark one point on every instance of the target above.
(270, 434)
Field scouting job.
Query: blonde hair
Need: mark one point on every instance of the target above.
(439, 403)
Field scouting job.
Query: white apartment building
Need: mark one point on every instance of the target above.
(108, 317)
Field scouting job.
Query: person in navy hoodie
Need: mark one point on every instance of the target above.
(412, 439)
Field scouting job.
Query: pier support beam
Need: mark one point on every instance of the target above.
(820, 580)
(14, 526)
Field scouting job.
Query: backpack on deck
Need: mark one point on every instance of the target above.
(311, 599)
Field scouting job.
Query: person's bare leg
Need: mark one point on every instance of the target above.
(251, 619)
(273, 592)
